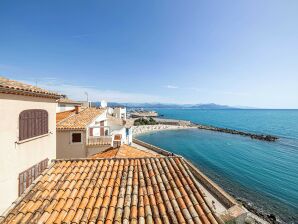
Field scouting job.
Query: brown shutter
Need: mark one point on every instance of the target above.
(32, 123)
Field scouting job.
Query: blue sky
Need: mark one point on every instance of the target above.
(226, 52)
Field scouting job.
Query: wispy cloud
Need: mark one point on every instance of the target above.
(171, 87)
(216, 91)
(77, 92)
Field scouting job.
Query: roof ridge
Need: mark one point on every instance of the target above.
(112, 158)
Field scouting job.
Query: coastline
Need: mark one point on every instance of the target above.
(165, 124)
(253, 215)
(142, 129)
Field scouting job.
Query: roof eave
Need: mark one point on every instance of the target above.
(28, 93)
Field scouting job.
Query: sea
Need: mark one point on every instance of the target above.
(263, 175)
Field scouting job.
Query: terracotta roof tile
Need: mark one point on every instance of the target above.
(117, 190)
(15, 87)
(125, 151)
(65, 114)
(79, 121)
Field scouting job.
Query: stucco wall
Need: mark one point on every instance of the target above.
(66, 149)
(91, 150)
(66, 107)
(16, 158)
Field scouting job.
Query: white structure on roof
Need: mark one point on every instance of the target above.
(27, 136)
(65, 104)
(120, 112)
(103, 104)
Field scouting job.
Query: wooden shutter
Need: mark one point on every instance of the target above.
(28, 176)
(102, 129)
(32, 123)
(91, 132)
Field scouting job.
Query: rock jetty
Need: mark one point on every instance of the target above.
(166, 124)
(268, 138)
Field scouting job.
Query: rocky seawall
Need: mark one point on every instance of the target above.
(262, 137)
(172, 124)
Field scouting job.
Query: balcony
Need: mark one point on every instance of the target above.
(99, 141)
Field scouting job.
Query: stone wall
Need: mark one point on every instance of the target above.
(153, 148)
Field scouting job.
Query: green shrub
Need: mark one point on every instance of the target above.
(143, 121)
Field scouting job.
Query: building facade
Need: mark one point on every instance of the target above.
(85, 132)
(27, 136)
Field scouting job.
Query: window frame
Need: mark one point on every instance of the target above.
(76, 132)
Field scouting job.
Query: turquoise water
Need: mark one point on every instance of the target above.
(263, 174)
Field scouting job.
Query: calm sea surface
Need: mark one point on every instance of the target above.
(263, 174)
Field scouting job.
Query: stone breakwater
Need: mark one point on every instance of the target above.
(172, 124)
(268, 138)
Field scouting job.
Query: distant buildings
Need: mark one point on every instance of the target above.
(139, 114)
(119, 112)
(28, 136)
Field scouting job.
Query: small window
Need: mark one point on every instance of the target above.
(76, 137)
(106, 132)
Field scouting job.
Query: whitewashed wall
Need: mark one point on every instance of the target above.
(16, 158)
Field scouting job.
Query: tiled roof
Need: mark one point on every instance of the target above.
(14, 87)
(81, 120)
(62, 115)
(67, 100)
(125, 151)
(144, 190)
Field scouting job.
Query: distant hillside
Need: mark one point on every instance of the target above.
(212, 106)
(173, 106)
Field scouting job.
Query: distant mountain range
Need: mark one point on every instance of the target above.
(172, 106)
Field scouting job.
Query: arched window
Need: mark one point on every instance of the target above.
(32, 123)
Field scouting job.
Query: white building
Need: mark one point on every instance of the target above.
(65, 104)
(120, 112)
(83, 133)
(103, 104)
(27, 136)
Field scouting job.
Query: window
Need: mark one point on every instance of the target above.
(76, 137)
(32, 123)
(106, 132)
(28, 176)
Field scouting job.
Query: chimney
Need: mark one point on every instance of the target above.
(77, 109)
